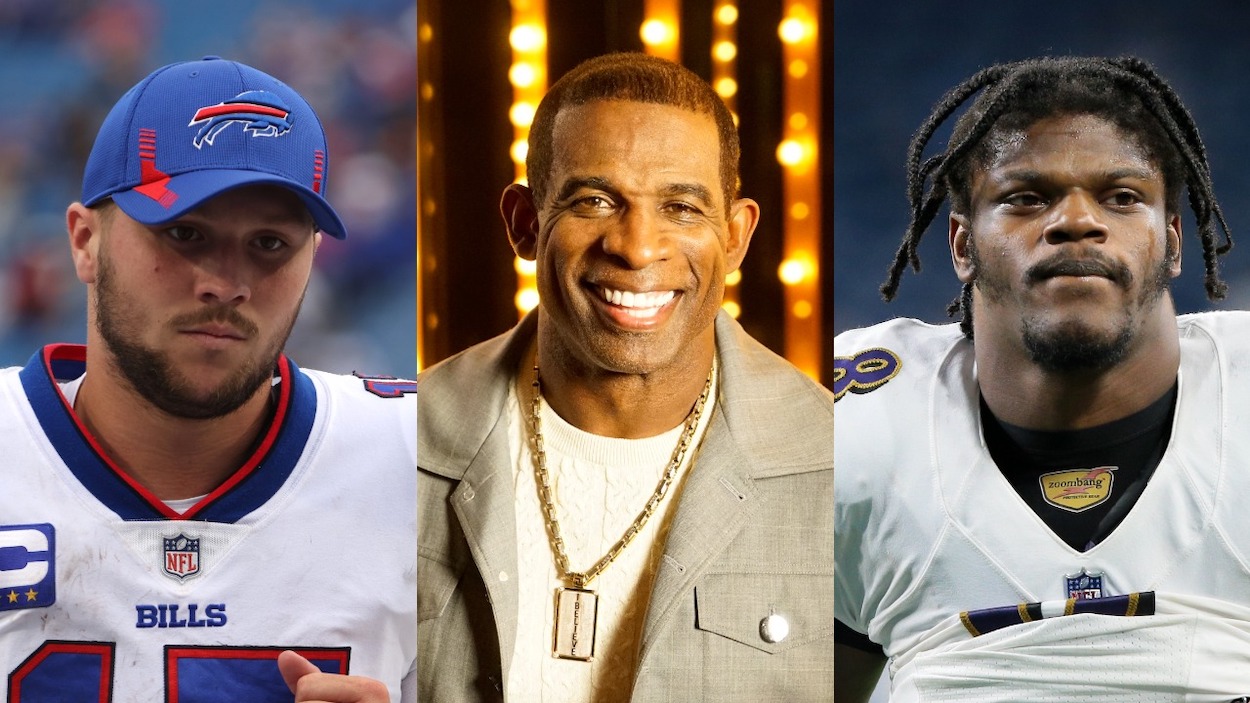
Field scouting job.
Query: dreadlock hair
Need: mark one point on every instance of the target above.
(1126, 92)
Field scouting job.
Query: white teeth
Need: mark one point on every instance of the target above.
(638, 304)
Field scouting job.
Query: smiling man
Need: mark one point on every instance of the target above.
(626, 498)
(185, 514)
(1044, 502)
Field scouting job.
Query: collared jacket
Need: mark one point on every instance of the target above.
(752, 536)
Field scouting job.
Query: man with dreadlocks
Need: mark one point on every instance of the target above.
(1070, 448)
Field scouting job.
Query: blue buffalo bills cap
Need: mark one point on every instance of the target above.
(193, 130)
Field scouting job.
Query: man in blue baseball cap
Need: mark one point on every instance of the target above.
(183, 508)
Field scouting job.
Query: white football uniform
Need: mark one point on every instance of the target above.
(108, 594)
(926, 526)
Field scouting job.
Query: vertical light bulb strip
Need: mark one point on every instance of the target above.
(425, 156)
(528, 76)
(660, 31)
(725, 81)
(799, 156)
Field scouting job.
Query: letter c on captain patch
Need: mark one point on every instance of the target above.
(27, 566)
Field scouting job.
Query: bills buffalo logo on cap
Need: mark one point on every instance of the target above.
(1078, 490)
(262, 113)
(182, 556)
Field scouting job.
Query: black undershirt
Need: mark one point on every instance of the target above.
(1127, 451)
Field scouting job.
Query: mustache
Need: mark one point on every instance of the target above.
(217, 314)
(1092, 264)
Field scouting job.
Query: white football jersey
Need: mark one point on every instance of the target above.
(926, 525)
(107, 594)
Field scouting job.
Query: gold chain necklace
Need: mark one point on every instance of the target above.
(577, 607)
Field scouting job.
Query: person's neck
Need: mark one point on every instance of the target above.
(1024, 394)
(174, 458)
(610, 404)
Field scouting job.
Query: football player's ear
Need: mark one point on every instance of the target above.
(85, 225)
(520, 217)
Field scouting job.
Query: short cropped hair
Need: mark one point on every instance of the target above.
(638, 78)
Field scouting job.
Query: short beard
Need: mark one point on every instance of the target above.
(1071, 347)
(150, 372)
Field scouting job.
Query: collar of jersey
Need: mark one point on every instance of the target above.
(250, 486)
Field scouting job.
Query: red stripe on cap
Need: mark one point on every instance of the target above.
(319, 159)
(152, 181)
(205, 113)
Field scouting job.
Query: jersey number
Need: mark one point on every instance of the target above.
(387, 386)
(83, 671)
(866, 371)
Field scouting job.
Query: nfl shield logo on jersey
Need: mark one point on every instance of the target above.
(182, 556)
(1084, 585)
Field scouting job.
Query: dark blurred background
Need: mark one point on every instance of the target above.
(64, 63)
(473, 286)
(893, 61)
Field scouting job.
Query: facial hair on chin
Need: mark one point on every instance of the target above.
(1072, 346)
(153, 376)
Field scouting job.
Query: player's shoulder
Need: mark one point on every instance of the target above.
(901, 332)
(367, 401)
(867, 358)
(1223, 327)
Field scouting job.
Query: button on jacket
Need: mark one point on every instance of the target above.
(751, 542)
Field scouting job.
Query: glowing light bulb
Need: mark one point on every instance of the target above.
(794, 271)
(656, 32)
(520, 149)
(802, 309)
(522, 74)
(527, 37)
(792, 30)
(726, 14)
(734, 277)
(790, 153)
(724, 51)
(527, 299)
(726, 87)
(797, 68)
(521, 114)
(524, 267)
(732, 308)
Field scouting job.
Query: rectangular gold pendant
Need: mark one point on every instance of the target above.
(576, 611)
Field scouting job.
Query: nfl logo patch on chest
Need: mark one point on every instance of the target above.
(1084, 585)
(182, 557)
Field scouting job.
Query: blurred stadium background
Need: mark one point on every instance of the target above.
(63, 63)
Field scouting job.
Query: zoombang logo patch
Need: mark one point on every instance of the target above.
(1078, 490)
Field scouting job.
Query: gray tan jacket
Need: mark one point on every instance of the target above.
(753, 535)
